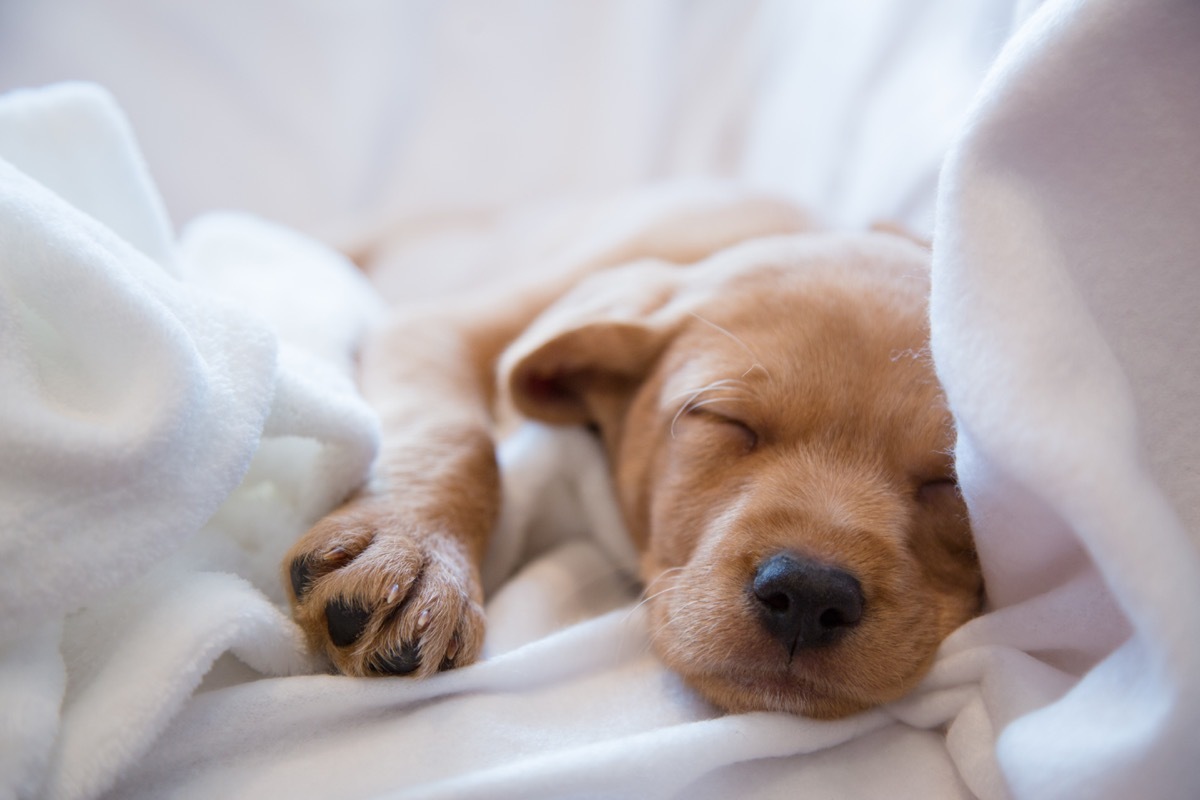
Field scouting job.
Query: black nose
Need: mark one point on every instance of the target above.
(803, 603)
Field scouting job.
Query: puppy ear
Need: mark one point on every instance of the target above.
(555, 382)
(600, 340)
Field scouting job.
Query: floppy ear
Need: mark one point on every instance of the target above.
(599, 341)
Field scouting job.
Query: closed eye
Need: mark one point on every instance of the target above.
(747, 436)
(937, 489)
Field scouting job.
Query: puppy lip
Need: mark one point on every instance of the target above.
(782, 675)
(779, 676)
(775, 691)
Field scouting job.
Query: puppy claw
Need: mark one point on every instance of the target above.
(403, 662)
(345, 621)
(392, 594)
(301, 574)
(337, 556)
(423, 620)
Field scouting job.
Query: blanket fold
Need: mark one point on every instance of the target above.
(176, 410)
(118, 380)
(1064, 327)
(146, 425)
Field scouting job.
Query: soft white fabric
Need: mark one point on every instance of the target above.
(117, 379)
(354, 120)
(447, 136)
(1065, 301)
(135, 405)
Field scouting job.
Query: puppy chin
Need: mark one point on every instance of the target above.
(740, 694)
(796, 688)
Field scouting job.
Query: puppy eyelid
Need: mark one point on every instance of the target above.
(723, 419)
(932, 489)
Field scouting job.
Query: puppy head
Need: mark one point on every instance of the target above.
(780, 448)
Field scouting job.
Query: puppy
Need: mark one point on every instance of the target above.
(778, 443)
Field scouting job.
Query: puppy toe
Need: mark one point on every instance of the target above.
(345, 621)
(403, 661)
(302, 575)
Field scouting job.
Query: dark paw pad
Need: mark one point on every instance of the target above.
(346, 622)
(302, 576)
(402, 663)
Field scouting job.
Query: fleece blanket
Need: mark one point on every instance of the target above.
(139, 406)
(171, 415)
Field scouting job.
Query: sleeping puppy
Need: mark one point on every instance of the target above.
(778, 442)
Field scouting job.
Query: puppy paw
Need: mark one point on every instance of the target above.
(382, 597)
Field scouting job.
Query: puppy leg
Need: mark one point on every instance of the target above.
(389, 583)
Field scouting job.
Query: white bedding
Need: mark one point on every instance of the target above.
(177, 407)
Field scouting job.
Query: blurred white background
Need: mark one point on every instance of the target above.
(352, 120)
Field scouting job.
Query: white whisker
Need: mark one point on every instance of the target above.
(663, 574)
(647, 599)
(755, 366)
(706, 402)
(691, 405)
(691, 394)
(675, 612)
(757, 361)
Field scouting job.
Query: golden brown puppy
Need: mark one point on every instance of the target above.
(777, 439)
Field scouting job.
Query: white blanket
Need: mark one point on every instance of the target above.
(1064, 328)
(1066, 289)
(136, 406)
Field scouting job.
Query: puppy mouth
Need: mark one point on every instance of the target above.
(757, 672)
(787, 635)
(779, 684)
(766, 677)
(741, 690)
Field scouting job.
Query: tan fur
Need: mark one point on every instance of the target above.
(777, 395)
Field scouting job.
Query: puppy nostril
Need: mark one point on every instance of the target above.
(803, 603)
(776, 601)
(832, 618)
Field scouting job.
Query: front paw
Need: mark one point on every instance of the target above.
(382, 597)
